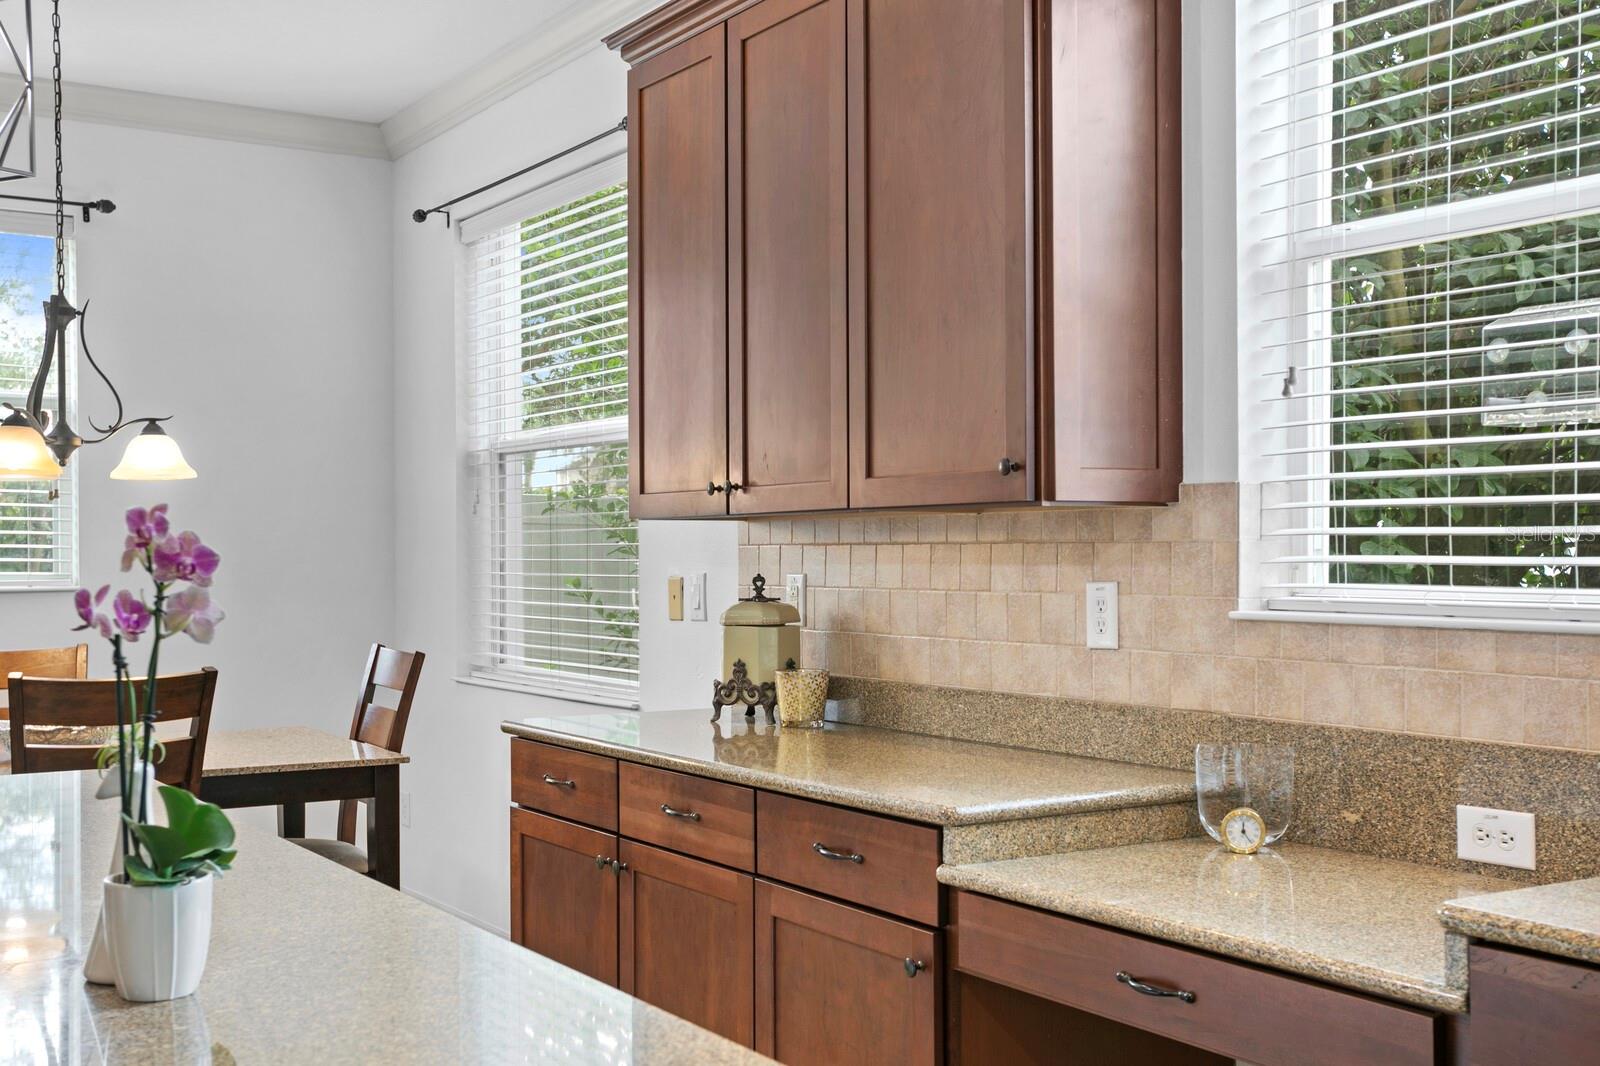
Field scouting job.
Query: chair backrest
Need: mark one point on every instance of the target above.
(380, 719)
(55, 706)
(71, 661)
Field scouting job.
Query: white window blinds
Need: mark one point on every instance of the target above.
(38, 538)
(1420, 306)
(555, 570)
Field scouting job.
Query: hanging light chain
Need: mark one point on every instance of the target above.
(61, 206)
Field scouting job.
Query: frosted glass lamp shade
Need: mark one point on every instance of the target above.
(23, 452)
(153, 456)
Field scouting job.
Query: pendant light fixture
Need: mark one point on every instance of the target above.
(35, 443)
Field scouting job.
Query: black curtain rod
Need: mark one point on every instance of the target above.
(420, 215)
(105, 207)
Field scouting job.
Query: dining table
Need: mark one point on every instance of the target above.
(289, 766)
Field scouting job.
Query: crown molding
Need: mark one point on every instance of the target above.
(105, 106)
(517, 65)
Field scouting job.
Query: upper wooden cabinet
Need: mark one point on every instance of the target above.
(677, 274)
(788, 436)
(922, 253)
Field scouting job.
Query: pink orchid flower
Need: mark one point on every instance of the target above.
(191, 611)
(86, 602)
(133, 617)
(183, 558)
(145, 527)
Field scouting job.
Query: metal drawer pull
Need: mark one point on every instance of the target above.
(842, 856)
(1151, 990)
(560, 782)
(673, 812)
(913, 967)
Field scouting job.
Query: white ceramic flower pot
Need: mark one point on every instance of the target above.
(158, 936)
(98, 968)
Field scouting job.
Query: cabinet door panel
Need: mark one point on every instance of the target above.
(833, 985)
(677, 272)
(941, 251)
(686, 939)
(563, 903)
(1113, 256)
(787, 365)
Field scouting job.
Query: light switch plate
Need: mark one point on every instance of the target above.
(675, 599)
(794, 594)
(1504, 838)
(1100, 614)
(694, 595)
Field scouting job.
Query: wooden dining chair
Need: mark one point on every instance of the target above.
(47, 712)
(381, 722)
(71, 661)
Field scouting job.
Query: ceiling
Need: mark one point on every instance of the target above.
(352, 59)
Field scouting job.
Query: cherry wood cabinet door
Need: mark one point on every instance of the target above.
(788, 389)
(563, 898)
(839, 985)
(677, 275)
(1112, 250)
(941, 251)
(686, 939)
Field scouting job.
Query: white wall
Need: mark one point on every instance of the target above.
(245, 290)
(454, 852)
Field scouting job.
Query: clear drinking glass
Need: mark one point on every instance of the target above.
(1258, 776)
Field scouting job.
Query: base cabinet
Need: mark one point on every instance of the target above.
(1528, 1008)
(686, 929)
(564, 893)
(839, 985)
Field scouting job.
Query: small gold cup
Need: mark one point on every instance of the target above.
(802, 697)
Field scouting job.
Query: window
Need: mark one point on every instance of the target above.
(38, 537)
(1419, 214)
(556, 570)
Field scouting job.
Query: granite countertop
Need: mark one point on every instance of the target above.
(1364, 923)
(308, 963)
(1560, 919)
(927, 779)
(248, 751)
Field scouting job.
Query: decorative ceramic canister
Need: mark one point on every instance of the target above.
(760, 636)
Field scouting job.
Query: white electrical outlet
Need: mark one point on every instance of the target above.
(1504, 838)
(694, 596)
(1100, 614)
(794, 594)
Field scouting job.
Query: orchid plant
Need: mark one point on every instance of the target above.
(198, 836)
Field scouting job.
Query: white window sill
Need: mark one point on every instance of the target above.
(553, 692)
(61, 585)
(1420, 621)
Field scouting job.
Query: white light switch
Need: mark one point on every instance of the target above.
(1100, 614)
(694, 595)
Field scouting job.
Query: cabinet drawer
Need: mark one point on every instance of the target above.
(1531, 1008)
(708, 819)
(1251, 1014)
(568, 784)
(863, 858)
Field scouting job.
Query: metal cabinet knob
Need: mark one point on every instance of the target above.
(914, 967)
(602, 861)
(618, 867)
(731, 487)
(673, 812)
(1152, 990)
(712, 488)
(838, 856)
(1009, 466)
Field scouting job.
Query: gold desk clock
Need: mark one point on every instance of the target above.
(760, 636)
(1243, 831)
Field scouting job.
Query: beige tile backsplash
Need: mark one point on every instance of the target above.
(994, 601)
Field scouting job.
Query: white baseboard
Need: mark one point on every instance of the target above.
(503, 934)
